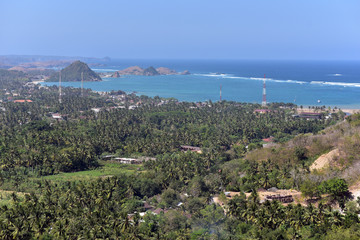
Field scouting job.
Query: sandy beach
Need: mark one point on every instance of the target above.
(312, 110)
(38, 82)
(351, 111)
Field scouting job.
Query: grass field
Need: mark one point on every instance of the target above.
(107, 169)
(31, 184)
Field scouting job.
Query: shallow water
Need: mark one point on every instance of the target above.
(300, 82)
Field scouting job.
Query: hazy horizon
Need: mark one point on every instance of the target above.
(177, 59)
(239, 30)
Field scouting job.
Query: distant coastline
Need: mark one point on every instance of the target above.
(335, 84)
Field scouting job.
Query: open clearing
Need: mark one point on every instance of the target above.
(107, 169)
(324, 160)
(5, 196)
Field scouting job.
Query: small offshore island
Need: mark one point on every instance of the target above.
(150, 71)
(78, 71)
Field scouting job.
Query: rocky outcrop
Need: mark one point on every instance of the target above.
(186, 72)
(135, 70)
(150, 71)
(116, 75)
(165, 71)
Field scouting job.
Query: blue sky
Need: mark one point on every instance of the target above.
(183, 29)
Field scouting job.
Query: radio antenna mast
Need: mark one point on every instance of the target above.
(264, 93)
(220, 92)
(60, 87)
(82, 84)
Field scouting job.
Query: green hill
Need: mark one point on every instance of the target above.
(151, 71)
(72, 73)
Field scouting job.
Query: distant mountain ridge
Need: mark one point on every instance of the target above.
(72, 73)
(150, 71)
(46, 61)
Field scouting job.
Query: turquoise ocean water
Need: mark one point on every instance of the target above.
(300, 82)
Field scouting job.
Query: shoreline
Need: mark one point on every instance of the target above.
(203, 93)
(351, 111)
(345, 110)
(38, 82)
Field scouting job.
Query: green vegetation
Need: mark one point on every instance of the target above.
(11, 80)
(8, 77)
(106, 169)
(72, 73)
(150, 71)
(54, 185)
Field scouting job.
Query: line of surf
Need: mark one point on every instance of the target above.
(231, 76)
(220, 75)
(342, 84)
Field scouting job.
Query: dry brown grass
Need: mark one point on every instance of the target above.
(341, 142)
(325, 160)
(263, 194)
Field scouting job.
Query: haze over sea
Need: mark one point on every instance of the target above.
(334, 83)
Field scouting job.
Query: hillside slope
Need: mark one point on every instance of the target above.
(334, 152)
(72, 73)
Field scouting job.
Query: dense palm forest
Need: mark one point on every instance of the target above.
(90, 126)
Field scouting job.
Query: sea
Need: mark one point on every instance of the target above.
(306, 83)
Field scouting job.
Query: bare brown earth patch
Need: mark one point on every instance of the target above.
(263, 196)
(325, 160)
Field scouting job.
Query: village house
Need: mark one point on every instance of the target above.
(310, 115)
(159, 210)
(185, 148)
(56, 116)
(281, 198)
(127, 160)
(22, 101)
(262, 111)
(96, 110)
(108, 157)
(269, 139)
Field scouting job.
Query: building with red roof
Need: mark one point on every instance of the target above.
(22, 101)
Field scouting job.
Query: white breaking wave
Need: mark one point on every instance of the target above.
(336, 84)
(213, 75)
(290, 81)
(231, 76)
(343, 84)
(270, 80)
(261, 79)
(336, 74)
